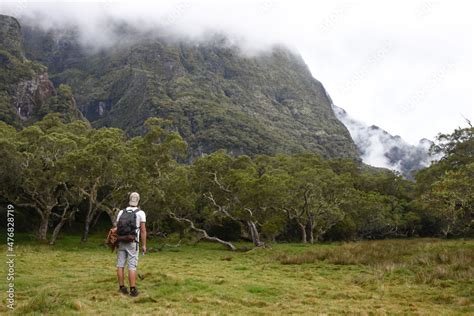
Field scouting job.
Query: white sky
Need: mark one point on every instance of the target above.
(402, 65)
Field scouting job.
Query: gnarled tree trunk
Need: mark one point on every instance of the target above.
(42, 233)
(44, 224)
(91, 210)
(304, 238)
(254, 233)
(85, 232)
(56, 231)
(311, 228)
(44, 210)
(63, 218)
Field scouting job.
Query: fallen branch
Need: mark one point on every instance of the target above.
(173, 246)
(204, 234)
(160, 248)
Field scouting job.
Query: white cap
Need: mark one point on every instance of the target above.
(134, 199)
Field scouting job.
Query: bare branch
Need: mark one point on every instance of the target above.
(203, 232)
(220, 185)
(220, 208)
(249, 211)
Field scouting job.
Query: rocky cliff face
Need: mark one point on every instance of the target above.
(10, 36)
(29, 93)
(26, 93)
(216, 96)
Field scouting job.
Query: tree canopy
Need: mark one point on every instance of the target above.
(59, 172)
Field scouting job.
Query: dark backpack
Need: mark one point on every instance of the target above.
(127, 225)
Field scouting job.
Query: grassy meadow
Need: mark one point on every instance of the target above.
(419, 276)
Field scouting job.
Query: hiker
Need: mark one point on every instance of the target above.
(131, 229)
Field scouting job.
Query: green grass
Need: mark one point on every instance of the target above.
(420, 276)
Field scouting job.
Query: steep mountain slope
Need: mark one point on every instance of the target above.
(216, 96)
(381, 149)
(26, 93)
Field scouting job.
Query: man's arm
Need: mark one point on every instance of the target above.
(117, 218)
(143, 236)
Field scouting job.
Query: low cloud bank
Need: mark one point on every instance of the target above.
(380, 149)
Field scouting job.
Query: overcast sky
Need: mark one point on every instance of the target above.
(404, 66)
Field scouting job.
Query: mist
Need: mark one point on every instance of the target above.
(245, 24)
(380, 149)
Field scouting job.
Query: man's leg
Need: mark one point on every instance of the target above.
(121, 257)
(132, 277)
(132, 252)
(120, 276)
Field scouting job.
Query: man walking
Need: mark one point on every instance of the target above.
(130, 230)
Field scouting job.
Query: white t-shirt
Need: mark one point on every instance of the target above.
(141, 218)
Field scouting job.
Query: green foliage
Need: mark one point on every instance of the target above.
(52, 166)
(62, 103)
(445, 189)
(451, 201)
(36, 154)
(457, 148)
(68, 171)
(7, 112)
(14, 69)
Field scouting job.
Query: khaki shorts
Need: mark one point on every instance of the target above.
(127, 252)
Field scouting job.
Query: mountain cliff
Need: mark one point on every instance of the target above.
(217, 96)
(26, 93)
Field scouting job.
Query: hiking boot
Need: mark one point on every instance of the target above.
(133, 291)
(123, 290)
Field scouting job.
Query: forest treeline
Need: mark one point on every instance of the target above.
(56, 173)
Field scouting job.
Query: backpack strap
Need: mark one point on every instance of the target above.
(134, 211)
(136, 241)
(119, 213)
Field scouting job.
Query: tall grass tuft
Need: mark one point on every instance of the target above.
(44, 303)
(429, 263)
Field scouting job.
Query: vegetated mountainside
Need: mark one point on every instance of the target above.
(381, 149)
(26, 93)
(216, 96)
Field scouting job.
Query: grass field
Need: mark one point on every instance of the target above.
(420, 276)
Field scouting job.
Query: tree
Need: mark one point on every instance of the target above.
(67, 213)
(451, 201)
(102, 171)
(457, 148)
(157, 153)
(38, 152)
(445, 188)
(314, 195)
(180, 200)
(238, 189)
